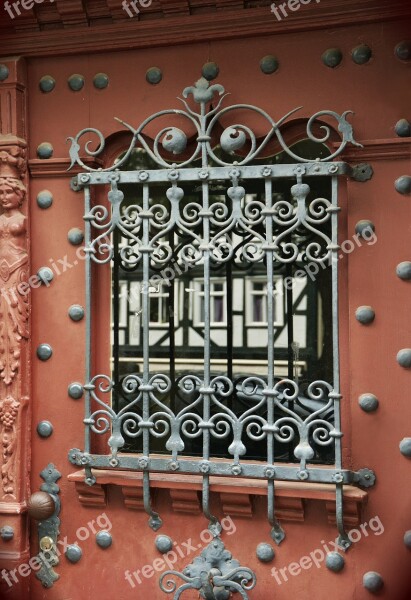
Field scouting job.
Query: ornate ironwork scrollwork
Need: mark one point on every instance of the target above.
(235, 138)
(215, 574)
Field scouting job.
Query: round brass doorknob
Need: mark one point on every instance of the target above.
(41, 506)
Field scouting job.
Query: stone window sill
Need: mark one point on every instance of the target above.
(238, 496)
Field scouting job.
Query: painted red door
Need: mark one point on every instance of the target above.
(105, 544)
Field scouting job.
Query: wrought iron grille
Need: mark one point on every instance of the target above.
(275, 233)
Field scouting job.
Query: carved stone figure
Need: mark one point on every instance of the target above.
(14, 304)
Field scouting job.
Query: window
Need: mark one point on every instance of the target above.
(237, 353)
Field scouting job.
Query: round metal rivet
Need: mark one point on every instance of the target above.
(47, 84)
(44, 429)
(269, 64)
(405, 447)
(365, 315)
(404, 270)
(403, 185)
(154, 75)
(76, 312)
(368, 402)
(364, 228)
(372, 581)
(335, 562)
(73, 553)
(265, 552)
(361, 54)
(45, 150)
(76, 82)
(210, 71)
(75, 236)
(404, 358)
(407, 539)
(332, 57)
(44, 199)
(100, 81)
(7, 533)
(4, 72)
(75, 390)
(164, 544)
(403, 50)
(45, 275)
(44, 351)
(403, 128)
(104, 539)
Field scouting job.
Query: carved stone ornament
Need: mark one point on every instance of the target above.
(14, 300)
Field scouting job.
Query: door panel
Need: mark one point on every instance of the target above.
(306, 511)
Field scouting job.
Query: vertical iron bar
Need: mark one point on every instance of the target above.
(214, 525)
(88, 283)
(116, 318)
(172, 332)
(230, 344)
(277, 533)
(343, 538)
(290, 339)
(154, 520)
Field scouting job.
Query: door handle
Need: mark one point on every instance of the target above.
(44, 507)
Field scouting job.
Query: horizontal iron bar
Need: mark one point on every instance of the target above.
(314, 169)
(220, 468)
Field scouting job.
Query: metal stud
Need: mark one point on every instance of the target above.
(154, 75)
(7, 533)
(45, 150)
(210, 71)
(404, 270)
(47, 84)
(100, 81)
(403, 50)
(361, 54)
(104, 539)
(334, 562)
(265, 553)
(407, 539)
(368, 402)
(405, 447)
(372, 581)
(364, 227)
(76, 82)
(45, 429)
(4, 72)
(73, 553)
(44, 351)
(365, 315)
(44, 199)
(269, 64)
(404, 358)
(45, 275)
(362, 172)
(75, 390)
(164, 544)
(403, 185)
(332, 57)
(75, 236)
(403, 128)
(76, 312)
